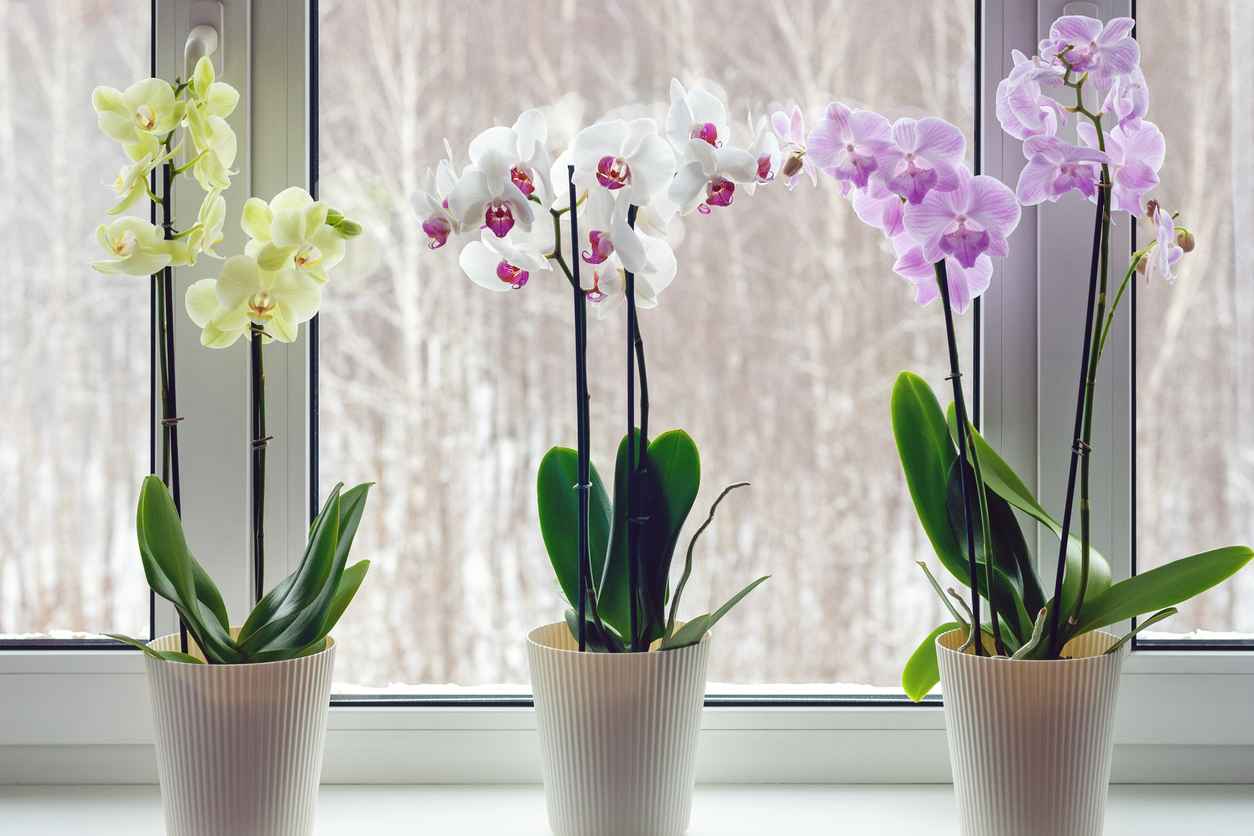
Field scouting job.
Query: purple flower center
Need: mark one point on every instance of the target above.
(913, 178)
(707, 132)
(511, 275)
(765, 175)
(499, 218)
(965, 240)
(437, 230)
(521, 175)
(602, 246)
(719, 192)
(613, 172)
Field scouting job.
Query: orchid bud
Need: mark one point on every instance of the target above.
(348, 229)
(791, 166)
(334, 216)
(1141, 265)
(1184, 240)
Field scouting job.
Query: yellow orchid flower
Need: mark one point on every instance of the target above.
(291, 231)
(277, 300)
(216, 98)
(140, 117)
(138, 248)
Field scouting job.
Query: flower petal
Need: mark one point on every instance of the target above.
(238, 280)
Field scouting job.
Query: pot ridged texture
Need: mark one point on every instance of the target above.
(1031, 742)
(618, 734)
(239, 747)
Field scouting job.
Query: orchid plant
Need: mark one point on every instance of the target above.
(611, 199)
(945, 225)
(262, 295)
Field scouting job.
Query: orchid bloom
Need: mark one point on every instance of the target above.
(878, 207)
(216, 146)
(132, 182)
(216, 98)
(709, 176)
(604, 230)
(140, 117)
(277, 300)
(1055, 168)
(1165, 251)
(847, 143)
(291, 231)
(791, 129)
(607, 287)
(1023, 110)
(1087, 46)
(617, 154)
(1136, 155)
(522, 148)
(694, 114)
(1048, 70)
(430, 205)
(924, 155)
(766, 149)
(211, 219)
(486, 192)
(964, 283)
(137, 247)
(499, 263)
(968, 222)
(1128, 99)
(218, 326)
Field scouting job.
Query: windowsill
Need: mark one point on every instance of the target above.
(718, 810)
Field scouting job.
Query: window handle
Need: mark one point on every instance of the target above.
(204, 17)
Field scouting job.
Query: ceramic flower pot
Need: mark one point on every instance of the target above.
(239, 747)
(618, 734)
(1031, 741)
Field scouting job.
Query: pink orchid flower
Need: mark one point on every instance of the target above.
(791, 131)
(695, 114)
(1055, 168)
(709, 176)
(878, 207)
(487, 195)
(1104, 52)
(616, 154)
(968, 222)
(766, 150)
(522, 147)
(965, 283)
(1136, 155)
(499, 263)
(1128, 99)
(924, 155)
(1023, 110)
(1164, 252)
(847, 143)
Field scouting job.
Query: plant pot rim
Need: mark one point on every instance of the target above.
(533, 632)
(234, 632)
(940, 647)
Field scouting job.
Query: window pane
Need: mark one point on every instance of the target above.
(1195, 339)
(775, 348)
(74, 388)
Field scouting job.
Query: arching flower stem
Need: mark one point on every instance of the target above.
(1110, 315)
(257, 368)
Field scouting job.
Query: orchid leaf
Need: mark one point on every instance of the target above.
(1149, 622)
(1162, 587)
(672, 480)
(167, 655)
(595, 639)
(613, 596)
(695, 630)
(922, 671)
(558, 502)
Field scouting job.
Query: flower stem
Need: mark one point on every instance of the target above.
(955, 375)
(1114, 306)
(581, 413)
(1101, 225)
(635, 458)
(259, 461)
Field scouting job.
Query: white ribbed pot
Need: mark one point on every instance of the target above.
(1031, 741)
(618, 734)
(239, 747)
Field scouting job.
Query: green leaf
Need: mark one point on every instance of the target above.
(558, 503)
(695, 630)
(1163, 587)
(595, 640)
(926, 454)
(922, 671)
(350, 582)
(167, 655)
(613, 601)
(672, 479)
(1149, 622)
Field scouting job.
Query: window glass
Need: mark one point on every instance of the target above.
(776, 346)
(1195, 339)
(74, 368)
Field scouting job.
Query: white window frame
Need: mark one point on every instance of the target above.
(80, 716)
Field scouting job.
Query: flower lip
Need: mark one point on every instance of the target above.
(602, 246)
(437, 230)
(707, 132)
(260, 307)
(765, 175)
(499, 218)
(146, 117)
(124, 245)
(719, 192)
(515, 277)
(613, 172)
(521, 175)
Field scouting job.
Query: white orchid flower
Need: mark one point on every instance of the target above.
(291, 231)
(607, 287)
(140, 117)
(766, 150)
(219, 327)
(430, 205)
(132, 181)
(604, 231)
(695, 114)
(522, 147)
(499, 263)
(487, 193)
(215, 145)
(216, 98)
(617, 154)
(211, 218)
(138, 248)
(709, 175)
(277, 300)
